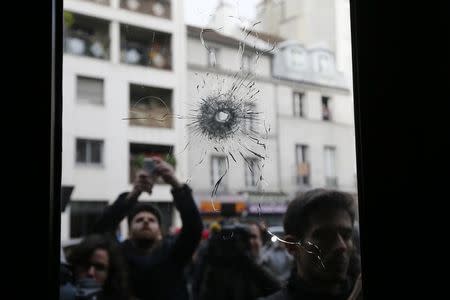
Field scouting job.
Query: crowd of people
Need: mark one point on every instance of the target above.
(316, 258)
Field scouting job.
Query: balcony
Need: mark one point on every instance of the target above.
(156, 8)
(150, 107)
(146, 48)
(86, 36)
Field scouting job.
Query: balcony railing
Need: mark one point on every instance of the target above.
(157, 8)
(143, 114)
(81, 43)
(86, 36)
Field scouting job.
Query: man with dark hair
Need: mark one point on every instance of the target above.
(319, 235)
(155, 263)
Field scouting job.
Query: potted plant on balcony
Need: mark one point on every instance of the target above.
(156, 56)
(170, 158)
(158, 9)
(68, 19)
(133, 4)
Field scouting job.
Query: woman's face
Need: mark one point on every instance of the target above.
(97, 267)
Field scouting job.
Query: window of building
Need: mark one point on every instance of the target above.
(86, 36)
(83, 215)
(218, 168)
(326, 114)
(251, 172)
(247, 62)
(90, 90)
(303, 164)
(89, 151)
(330, 166)
(250, 122)
(299, 105)
(150, 106)
(213, 54)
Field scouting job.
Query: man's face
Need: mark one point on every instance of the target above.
(145, 226)
(255, 240)
(96, 268)
(332, 232)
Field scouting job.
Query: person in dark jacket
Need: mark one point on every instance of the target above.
(155, 263)
(230, 271)
(319, 234)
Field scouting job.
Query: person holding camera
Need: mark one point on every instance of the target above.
(155, 263)
(230, 270)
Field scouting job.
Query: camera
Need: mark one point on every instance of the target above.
(149, 166)
(230, 244)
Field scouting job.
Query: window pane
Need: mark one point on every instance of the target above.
(89, 151)
(298, 104)
(303, 165)
(89, 90)
(213, 57)
(81, 151)
(153, 111)
(238, 98)
(251, 175)
(96, 151)
(218, 168)
(326, 114)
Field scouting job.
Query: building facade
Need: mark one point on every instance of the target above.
(304, 100)
(116, 53)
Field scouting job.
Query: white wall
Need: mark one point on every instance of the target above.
(316, 135)
(197, 53)
(312, 131)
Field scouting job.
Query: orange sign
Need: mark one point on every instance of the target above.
(206, 206)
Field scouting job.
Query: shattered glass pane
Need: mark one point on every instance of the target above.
(223, 119)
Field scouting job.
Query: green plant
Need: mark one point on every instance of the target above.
(170, 159)
(69, 19)
(138, 161)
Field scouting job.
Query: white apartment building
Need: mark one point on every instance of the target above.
(117, 52)
(305, 101)
(325, 25)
